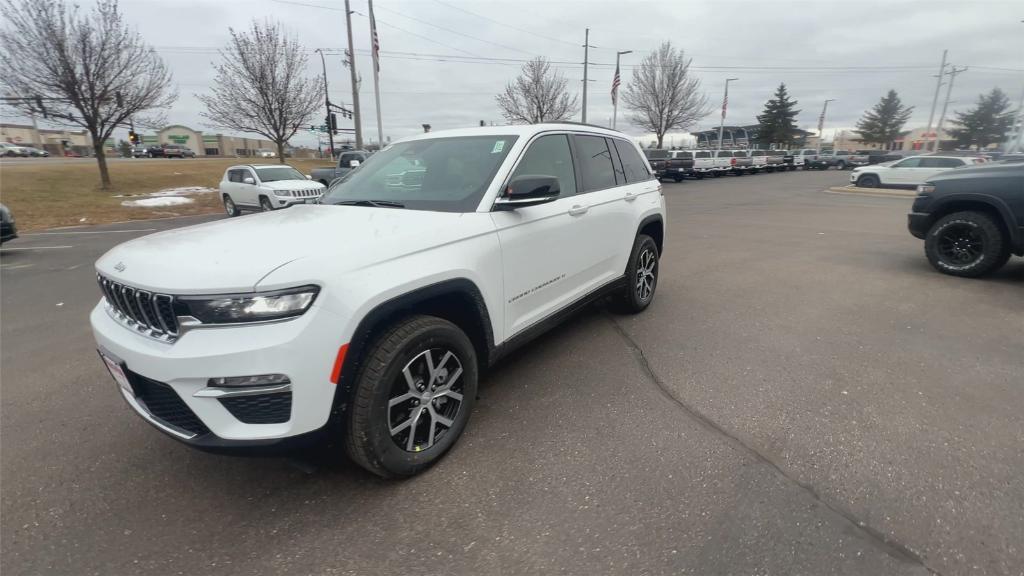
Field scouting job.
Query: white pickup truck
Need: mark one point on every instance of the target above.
(704, 163)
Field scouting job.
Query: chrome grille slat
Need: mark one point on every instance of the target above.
(148, 312)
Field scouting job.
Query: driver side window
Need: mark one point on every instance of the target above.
(550, 156)
(908, 163)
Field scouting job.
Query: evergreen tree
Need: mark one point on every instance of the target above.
(778, 121)
(986, 123)
(884, 123)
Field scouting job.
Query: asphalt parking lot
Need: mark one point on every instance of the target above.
(805, 396)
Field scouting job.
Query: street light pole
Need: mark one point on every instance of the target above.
(725, 104)
(953, 71)
(821, 124)
(586, 63)
(356, 117)
(615, 89)
(935, 99)
(327, 103)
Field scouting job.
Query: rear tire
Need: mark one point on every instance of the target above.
(841, 165)
(677, 178)
(413, 396)
(641, 276)
(967, 244)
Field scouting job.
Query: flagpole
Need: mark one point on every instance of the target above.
(615, 89)
(375, 51)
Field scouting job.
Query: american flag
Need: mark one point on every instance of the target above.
(376, 40)
(615, 85)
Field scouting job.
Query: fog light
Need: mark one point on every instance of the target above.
(261, 380)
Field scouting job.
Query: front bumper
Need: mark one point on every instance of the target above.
(918, 223)
(8, 231)
(169, 376)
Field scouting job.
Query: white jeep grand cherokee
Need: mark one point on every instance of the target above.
(371, 314)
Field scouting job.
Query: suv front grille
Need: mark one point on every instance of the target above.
(311, 193)
(163, 403)
(148, 312)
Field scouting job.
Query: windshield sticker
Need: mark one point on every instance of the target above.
(498, 147)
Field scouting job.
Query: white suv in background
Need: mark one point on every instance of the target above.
(909, 172)
(266, 187)
(376, 309)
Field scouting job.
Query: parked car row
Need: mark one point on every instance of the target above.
(679, 164)
(162, 151)
(16, 150)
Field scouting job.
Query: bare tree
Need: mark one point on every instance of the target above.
(89, 70)
(261, 87)
(663, 95)
(537, 95)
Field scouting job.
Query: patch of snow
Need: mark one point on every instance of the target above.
(157, 202)
(184, 191)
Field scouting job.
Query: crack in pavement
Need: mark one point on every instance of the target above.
(890, 546)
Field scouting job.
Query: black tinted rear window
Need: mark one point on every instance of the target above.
(655, 154)
(632, 165)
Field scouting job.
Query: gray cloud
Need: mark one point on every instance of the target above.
(769, 42)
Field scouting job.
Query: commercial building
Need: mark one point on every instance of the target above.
(914, 140)
(208, 144)
(743, 137)
(56, 142)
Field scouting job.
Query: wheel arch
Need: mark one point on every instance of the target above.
(457, 300)
(654, 226)
(991, 205)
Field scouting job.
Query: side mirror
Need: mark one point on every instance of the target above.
(353, 163)
(248, 180)
(527, 190)
(309, 177)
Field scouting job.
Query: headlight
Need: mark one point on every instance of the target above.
(255, 307)
(925, 189)
(282, 192)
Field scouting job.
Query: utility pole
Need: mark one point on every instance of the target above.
(615, 88)
(327, 103)
(1016, 143)
(356, 117)
(821, 125)
(953, 71)
(586, 62)
(725, 104)
(935, 99)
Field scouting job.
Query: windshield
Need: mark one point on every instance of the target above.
(442, 174)
(279, 173)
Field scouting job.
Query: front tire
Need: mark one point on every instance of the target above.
(841, 165)
(229, 206)
(641, 276)
(967, 244)
(265, 205)
(413, 397)
(868, 181)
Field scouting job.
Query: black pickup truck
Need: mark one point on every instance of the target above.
(674, 164)
(971, 219)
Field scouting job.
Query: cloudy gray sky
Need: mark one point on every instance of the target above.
(870, 46)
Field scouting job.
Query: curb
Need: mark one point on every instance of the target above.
(882, 192)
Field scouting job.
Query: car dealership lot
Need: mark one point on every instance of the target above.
(806, 395)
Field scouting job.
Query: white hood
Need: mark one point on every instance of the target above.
(293, 185)
(233, 255)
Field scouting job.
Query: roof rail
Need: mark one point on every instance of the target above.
(579, 124)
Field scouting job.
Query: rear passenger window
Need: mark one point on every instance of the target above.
(724, 154)
(595, 163)
(550, 156)
(632, 165)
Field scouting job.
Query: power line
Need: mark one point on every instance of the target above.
(450, 31)
(507, 25)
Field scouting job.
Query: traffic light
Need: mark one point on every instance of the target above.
(119, 99)
(133, 137)
(333, 124)
(39, 104)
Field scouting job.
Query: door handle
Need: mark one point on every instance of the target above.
(630, 196)
(578, 210)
